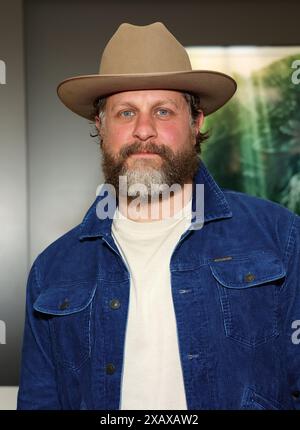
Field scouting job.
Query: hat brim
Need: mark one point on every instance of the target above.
(79, 93)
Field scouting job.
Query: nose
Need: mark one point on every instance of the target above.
(144, 127)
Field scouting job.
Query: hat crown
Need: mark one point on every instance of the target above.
(135, 49)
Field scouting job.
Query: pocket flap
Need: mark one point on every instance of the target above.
(248, 271)
(65, 298)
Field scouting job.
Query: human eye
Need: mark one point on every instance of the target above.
(126, 113)
(162, 112)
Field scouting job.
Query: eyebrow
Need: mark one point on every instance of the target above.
(159, 102)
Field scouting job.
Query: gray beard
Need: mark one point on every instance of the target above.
(146, 182)
(144, 177)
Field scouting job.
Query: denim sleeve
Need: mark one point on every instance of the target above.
(37, 388)
(291, 314)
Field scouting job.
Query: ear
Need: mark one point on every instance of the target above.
(199, 121)
(97, 122)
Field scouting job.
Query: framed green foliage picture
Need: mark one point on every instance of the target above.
(254, 143)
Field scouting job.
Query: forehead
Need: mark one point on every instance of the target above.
(146, 97)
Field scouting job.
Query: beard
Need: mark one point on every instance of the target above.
(149, 176)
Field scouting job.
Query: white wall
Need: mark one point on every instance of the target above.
(8, 398)
(13, 191)
(63, 160)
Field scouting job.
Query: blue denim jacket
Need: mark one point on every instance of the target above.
(236, 294)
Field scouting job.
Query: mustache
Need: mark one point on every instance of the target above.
(137, 146)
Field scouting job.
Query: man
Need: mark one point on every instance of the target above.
(157, 304)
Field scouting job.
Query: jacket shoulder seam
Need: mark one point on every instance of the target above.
(291, 239)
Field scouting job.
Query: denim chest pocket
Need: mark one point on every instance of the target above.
(248, 288)
(69, 309)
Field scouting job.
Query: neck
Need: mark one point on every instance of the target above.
(160, 207)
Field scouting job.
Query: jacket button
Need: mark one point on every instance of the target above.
(249, 277)
(110, 368)
(115, 304)
(296, 394)
(64, 305)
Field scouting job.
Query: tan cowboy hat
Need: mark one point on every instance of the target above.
(145, 57)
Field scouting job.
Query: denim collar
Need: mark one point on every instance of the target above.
(215, 206)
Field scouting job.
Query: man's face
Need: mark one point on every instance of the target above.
(147, 137)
